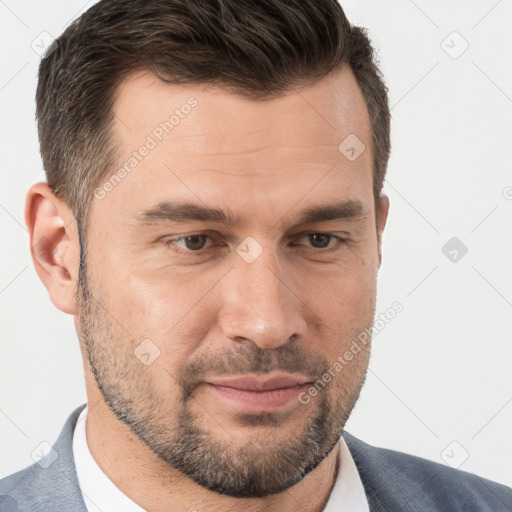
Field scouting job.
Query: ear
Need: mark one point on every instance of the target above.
(382, 217)
(54, 244)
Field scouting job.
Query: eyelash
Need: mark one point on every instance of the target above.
(170, 242)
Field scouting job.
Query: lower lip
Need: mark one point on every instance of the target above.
(270, 400)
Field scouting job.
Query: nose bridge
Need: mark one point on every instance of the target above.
(259, 304)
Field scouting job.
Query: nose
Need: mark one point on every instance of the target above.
(260, 305)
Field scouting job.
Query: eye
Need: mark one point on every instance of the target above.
(191, 243)
(324, 240)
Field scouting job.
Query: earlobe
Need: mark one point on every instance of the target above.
(54, 244)
(382, 217)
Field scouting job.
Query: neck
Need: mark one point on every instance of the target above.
(153, 485)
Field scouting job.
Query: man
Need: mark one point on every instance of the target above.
(213, 218)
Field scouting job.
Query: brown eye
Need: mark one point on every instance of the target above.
(320, 240)
(324, 242)
(195, 242)
(190, 243)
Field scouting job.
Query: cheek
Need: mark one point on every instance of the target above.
(345, 293)
(175, 312)
(166, 296)
(339, 308)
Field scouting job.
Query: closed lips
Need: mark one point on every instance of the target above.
(250, 383)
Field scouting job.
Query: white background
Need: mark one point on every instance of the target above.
(441, 370)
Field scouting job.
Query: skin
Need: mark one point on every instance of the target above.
(211, 312)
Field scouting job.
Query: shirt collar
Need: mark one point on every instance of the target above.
(99, 492)
(347, 494)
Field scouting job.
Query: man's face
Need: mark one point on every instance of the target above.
(169, 322)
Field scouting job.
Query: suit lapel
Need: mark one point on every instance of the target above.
(50, 484)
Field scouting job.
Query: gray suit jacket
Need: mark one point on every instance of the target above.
(393, 481)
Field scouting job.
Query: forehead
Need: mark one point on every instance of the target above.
(324, 113)
(214, 146)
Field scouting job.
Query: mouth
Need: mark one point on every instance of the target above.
(253, 394)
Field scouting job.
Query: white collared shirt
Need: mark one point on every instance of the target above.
(101, 495)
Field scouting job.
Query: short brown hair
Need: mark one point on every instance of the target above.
(257, 48)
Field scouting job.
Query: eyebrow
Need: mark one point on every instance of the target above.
(181, 212)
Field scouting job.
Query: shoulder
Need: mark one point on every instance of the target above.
(398, 481)
(50, 483)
